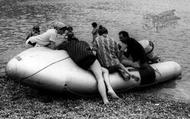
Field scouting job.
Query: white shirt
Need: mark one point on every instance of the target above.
(45, 38)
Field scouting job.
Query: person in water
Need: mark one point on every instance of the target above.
(94, 31)
(34, 32)
(81, 53)
(135, 56)
(48, 38)
(108, 53)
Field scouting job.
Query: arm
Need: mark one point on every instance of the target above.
(127, 62)
(95, 46)
(29, 35)
(52, 40)
(52, 45)
(30, 43)
(62, 46)
(126, 74)
(122, 70)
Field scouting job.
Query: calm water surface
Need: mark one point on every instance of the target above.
(172, 42)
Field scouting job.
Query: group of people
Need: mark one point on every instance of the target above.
(104, 57)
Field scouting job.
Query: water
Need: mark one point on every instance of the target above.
(172, 42)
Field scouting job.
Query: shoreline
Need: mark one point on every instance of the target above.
(20, 101)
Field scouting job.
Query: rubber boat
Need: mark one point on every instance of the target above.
(53, 70)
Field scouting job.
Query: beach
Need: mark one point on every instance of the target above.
(164, 22)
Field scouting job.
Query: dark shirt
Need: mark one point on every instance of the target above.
(136, 51)
(69, 35)
(79, 51)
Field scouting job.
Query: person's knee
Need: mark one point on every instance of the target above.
(96, 67)
(97, 70)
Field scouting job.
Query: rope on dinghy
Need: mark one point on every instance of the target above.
(45, 68)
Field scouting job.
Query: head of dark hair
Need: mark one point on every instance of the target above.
(63, 29)
(101, 27)
(70, 28)
(70, 35)
(94, 24)
(36, 28)
(124, 37)
(102, 30)
(124, 33)
(72, 38)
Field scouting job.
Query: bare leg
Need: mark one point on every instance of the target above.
(97, 70)
(107, 82)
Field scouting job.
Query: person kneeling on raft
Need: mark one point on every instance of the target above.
(134, 55)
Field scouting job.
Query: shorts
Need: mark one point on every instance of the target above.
(147, 74)
(87, 62)
(113, 69)
(80, 52)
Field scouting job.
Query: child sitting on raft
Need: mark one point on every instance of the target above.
(81, 53)
(49, 38)
(108, 53)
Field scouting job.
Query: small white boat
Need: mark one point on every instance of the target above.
(54, 70)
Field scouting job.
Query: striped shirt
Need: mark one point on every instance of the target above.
(107, 51)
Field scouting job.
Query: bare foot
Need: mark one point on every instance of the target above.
(106, 102)
(113, 94)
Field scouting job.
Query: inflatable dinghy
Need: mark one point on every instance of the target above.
(54, 70)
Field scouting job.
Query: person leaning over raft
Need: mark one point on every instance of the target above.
(134, 55)
(81, 53)
(48, 39)
(108, 53)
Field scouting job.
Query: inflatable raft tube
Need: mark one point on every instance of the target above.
(54, 70)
